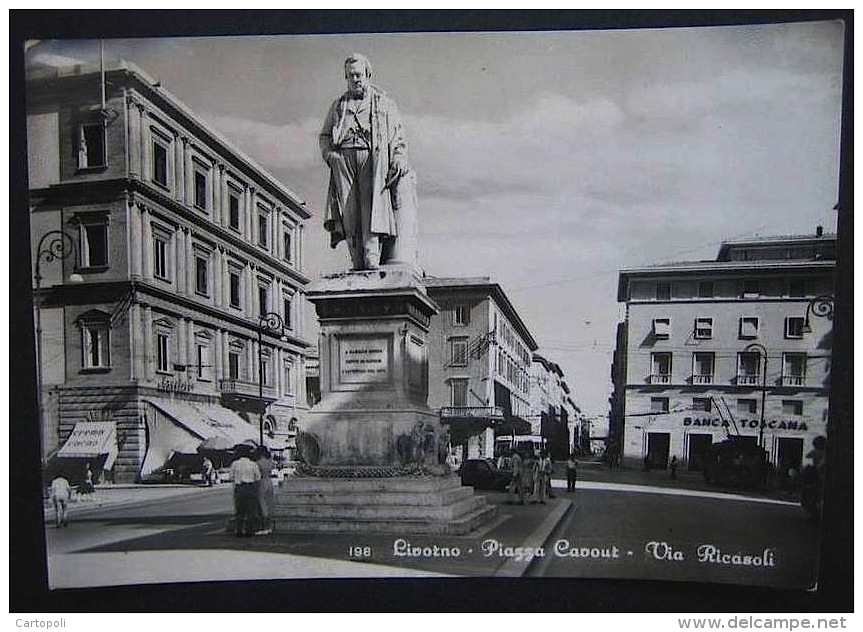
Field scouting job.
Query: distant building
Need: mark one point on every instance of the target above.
(551, 407)
(689, 367)
(180, 243)
(479, 363)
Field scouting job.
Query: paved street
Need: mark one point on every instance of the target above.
(142, 535)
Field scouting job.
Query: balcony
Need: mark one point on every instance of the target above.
(703, 379)
(240, 389)
(793, 380)
(747, 380)
(660, 378)
(472, 412)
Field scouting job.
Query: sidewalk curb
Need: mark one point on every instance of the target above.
(84, 511)
(516, 566)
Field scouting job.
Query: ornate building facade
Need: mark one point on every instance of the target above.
(179, 246)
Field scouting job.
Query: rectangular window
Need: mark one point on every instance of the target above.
(235, 287)
(748, 368)
(749, 327)
(163, 359)
(793, 369)
(702, 367)
(287, 244)
(705, 289)
(660, 368)
(91, 145)
(702, 404)
(748, 406)
(96, 350)
(661, 328)
(202, 274)
(286, 312)
(160, 258)
(458, 392)
(794, 326)
(461, 315)
(263, 229)
(266, 372)
(202, 358)
(751, 289)
(263, 299)
(234, 209)
(663, 291)
(160, 162)
(289, 377)
(234, 365)
(703, 328)
(792, 407)
(458, 351)
(94, 245)
(659, 404)
(201, 190)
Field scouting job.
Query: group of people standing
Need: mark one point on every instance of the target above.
(531, 477)
(253, 491)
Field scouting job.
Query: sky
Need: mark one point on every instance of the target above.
(546, 161)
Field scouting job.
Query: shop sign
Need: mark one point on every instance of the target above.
(176, 385)
(772, 424)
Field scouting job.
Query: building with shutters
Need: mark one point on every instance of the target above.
(480, 354)
(739, 345)
(152, 327)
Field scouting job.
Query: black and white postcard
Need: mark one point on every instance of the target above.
(438, 306)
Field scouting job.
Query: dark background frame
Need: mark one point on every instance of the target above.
(27, 572)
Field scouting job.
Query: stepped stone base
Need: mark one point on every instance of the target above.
(433, 505)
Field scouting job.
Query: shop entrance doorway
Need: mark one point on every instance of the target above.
(699, 445)
(789, 454)
(657, 449)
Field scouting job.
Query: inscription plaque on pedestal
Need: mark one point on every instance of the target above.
(364, 360)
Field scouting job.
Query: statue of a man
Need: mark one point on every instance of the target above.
(363, 144)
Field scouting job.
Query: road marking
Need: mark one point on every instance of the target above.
(650, 489)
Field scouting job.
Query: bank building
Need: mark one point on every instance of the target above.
(168, 277)
(736, 346)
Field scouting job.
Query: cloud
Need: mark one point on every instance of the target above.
(292, 146)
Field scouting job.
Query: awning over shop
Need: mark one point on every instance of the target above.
(173, 426)
(207, 421)
(92, 440)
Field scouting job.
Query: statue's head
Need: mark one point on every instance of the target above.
(358, 73)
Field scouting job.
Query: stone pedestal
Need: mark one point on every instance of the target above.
(374, 372)
(370, 453)
(437, 505)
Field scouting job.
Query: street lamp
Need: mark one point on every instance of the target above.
(272, 323)
(820, 306)
(54, 245)
(762, 353)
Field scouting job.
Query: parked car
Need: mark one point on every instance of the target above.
(483, 474)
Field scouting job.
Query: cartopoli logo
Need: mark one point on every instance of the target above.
(40, 623)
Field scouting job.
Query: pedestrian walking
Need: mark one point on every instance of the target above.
(87, 487)
(543, 477)
(246, 476)
(207, 471)
(571, 472)
(266, 493)
(516, 485)
(61, 492)
(673, 466)
(529, 475)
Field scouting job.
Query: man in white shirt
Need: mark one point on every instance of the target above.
(61, 491)
(245, 475)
